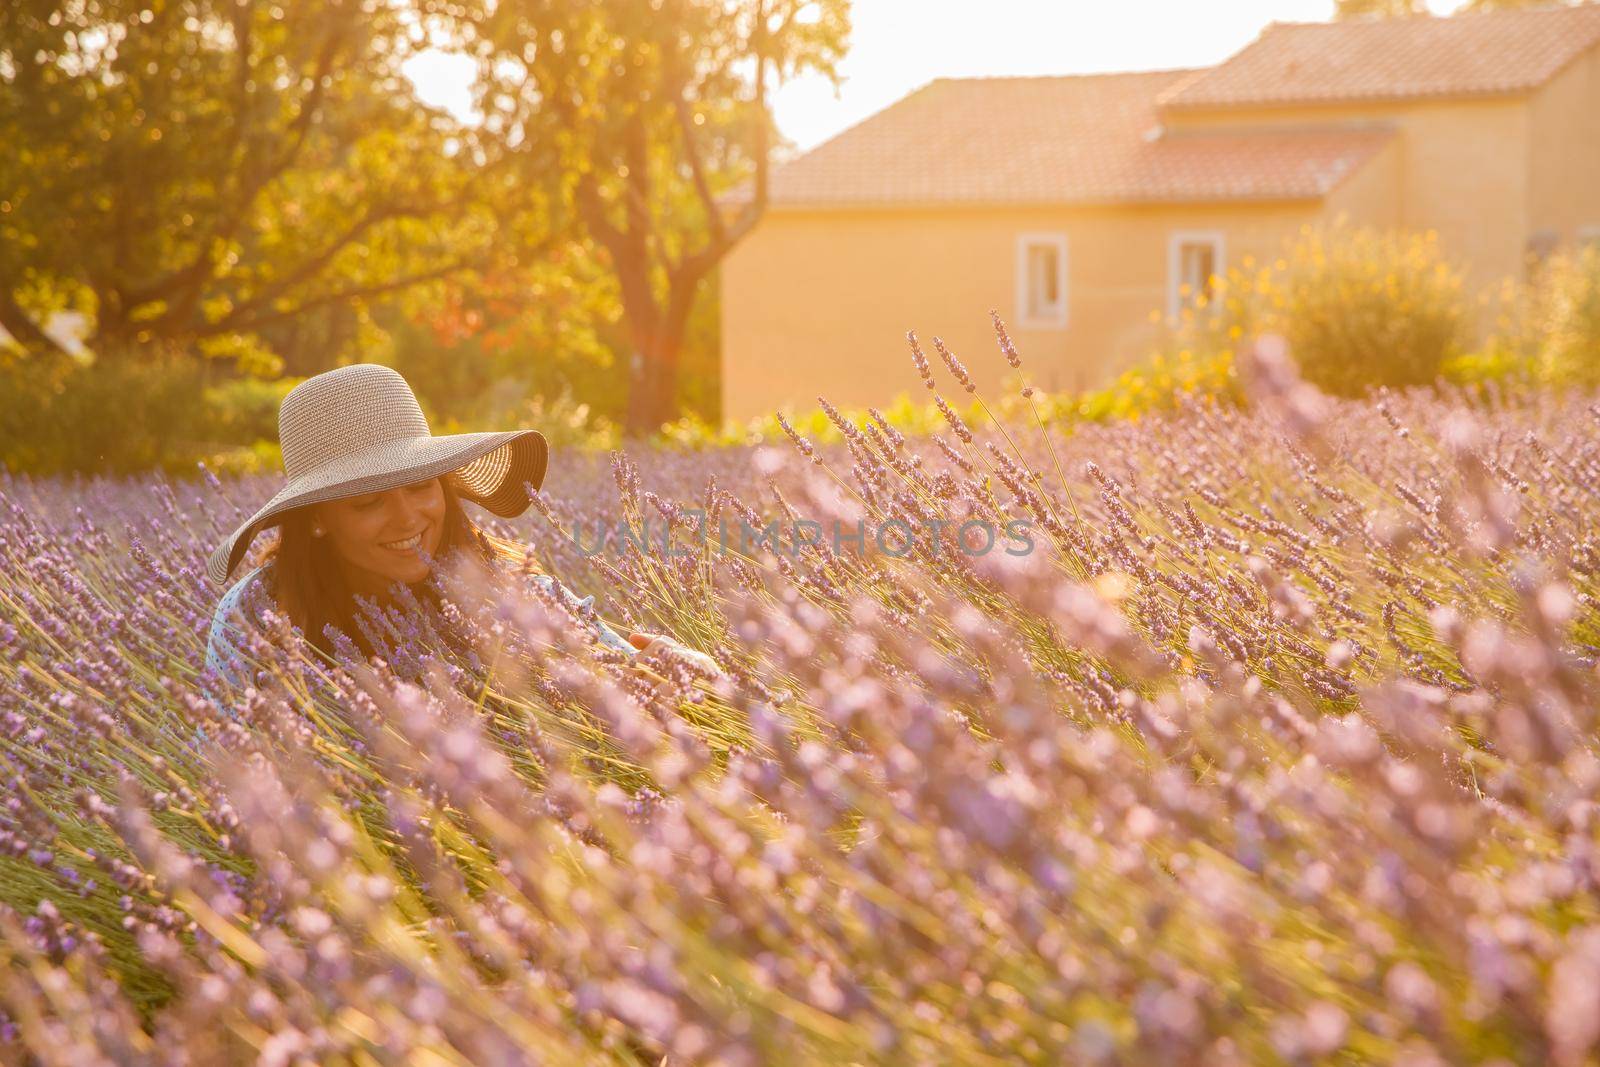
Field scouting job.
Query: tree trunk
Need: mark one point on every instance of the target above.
(652, 382)
(657, 345)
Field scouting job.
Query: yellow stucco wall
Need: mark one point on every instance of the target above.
(1462, 167)
(820, 301)
(1375, 194)
(1564, 152)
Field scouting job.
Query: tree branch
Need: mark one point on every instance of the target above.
(724, 237)
(311, 267)
(249, 182)
(691, 148)
(587, 196)
(342, 296)
(758, 205)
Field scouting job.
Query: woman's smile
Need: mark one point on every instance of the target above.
(409, 544)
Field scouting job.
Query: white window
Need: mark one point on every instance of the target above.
(1042, 280)
(1194, 260)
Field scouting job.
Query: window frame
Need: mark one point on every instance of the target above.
(1024, 245)
(1175, 242)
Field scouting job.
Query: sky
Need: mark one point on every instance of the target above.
(897, 46)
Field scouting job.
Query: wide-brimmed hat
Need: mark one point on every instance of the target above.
(359, 429)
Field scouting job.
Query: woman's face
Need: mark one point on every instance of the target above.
(378, 535)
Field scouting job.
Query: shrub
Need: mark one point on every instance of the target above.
(513, 404)
(1546, 330)
(115, 414)
(1360, 308)
(905, 414)
(1569, 285)
(1363, 308)
(1159, 385)
(245, 410)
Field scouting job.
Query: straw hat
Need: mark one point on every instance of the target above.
(359, 429)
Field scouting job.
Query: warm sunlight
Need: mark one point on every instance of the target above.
(898, 45)
(767, 533)
(443, 79)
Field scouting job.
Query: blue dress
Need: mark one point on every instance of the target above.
(223, 643)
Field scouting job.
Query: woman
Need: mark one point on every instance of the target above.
(372, 497)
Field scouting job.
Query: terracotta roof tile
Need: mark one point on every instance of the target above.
(1057, 140)
(1479, 53)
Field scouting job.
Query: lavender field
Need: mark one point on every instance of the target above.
(1278, 747)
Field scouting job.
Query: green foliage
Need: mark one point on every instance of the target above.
(116, 416)
(246, 409)
(1491, 363)
(1545, 330)
(475, 347)
(563, 419)
(1363, 308)
(1348, 9)
(903, 413)
(700, 363)
(259, 457)
(1570, 284)
(640, 118)
(209, 173)
(1351, 9)
(1157, 385)
(253, 183)
(1499, 5)
(1359, 307)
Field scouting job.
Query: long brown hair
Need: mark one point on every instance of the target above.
(308, 582)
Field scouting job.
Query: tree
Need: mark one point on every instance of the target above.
(1350, 9)
(199, 173)
(1505, 5)
(646, 113)
(1346, 9)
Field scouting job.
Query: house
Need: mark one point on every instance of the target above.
(1077, 206)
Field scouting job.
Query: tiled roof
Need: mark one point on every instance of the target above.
(1059, 140)
(1473, 54)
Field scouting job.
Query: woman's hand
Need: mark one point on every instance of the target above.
(647, 642)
